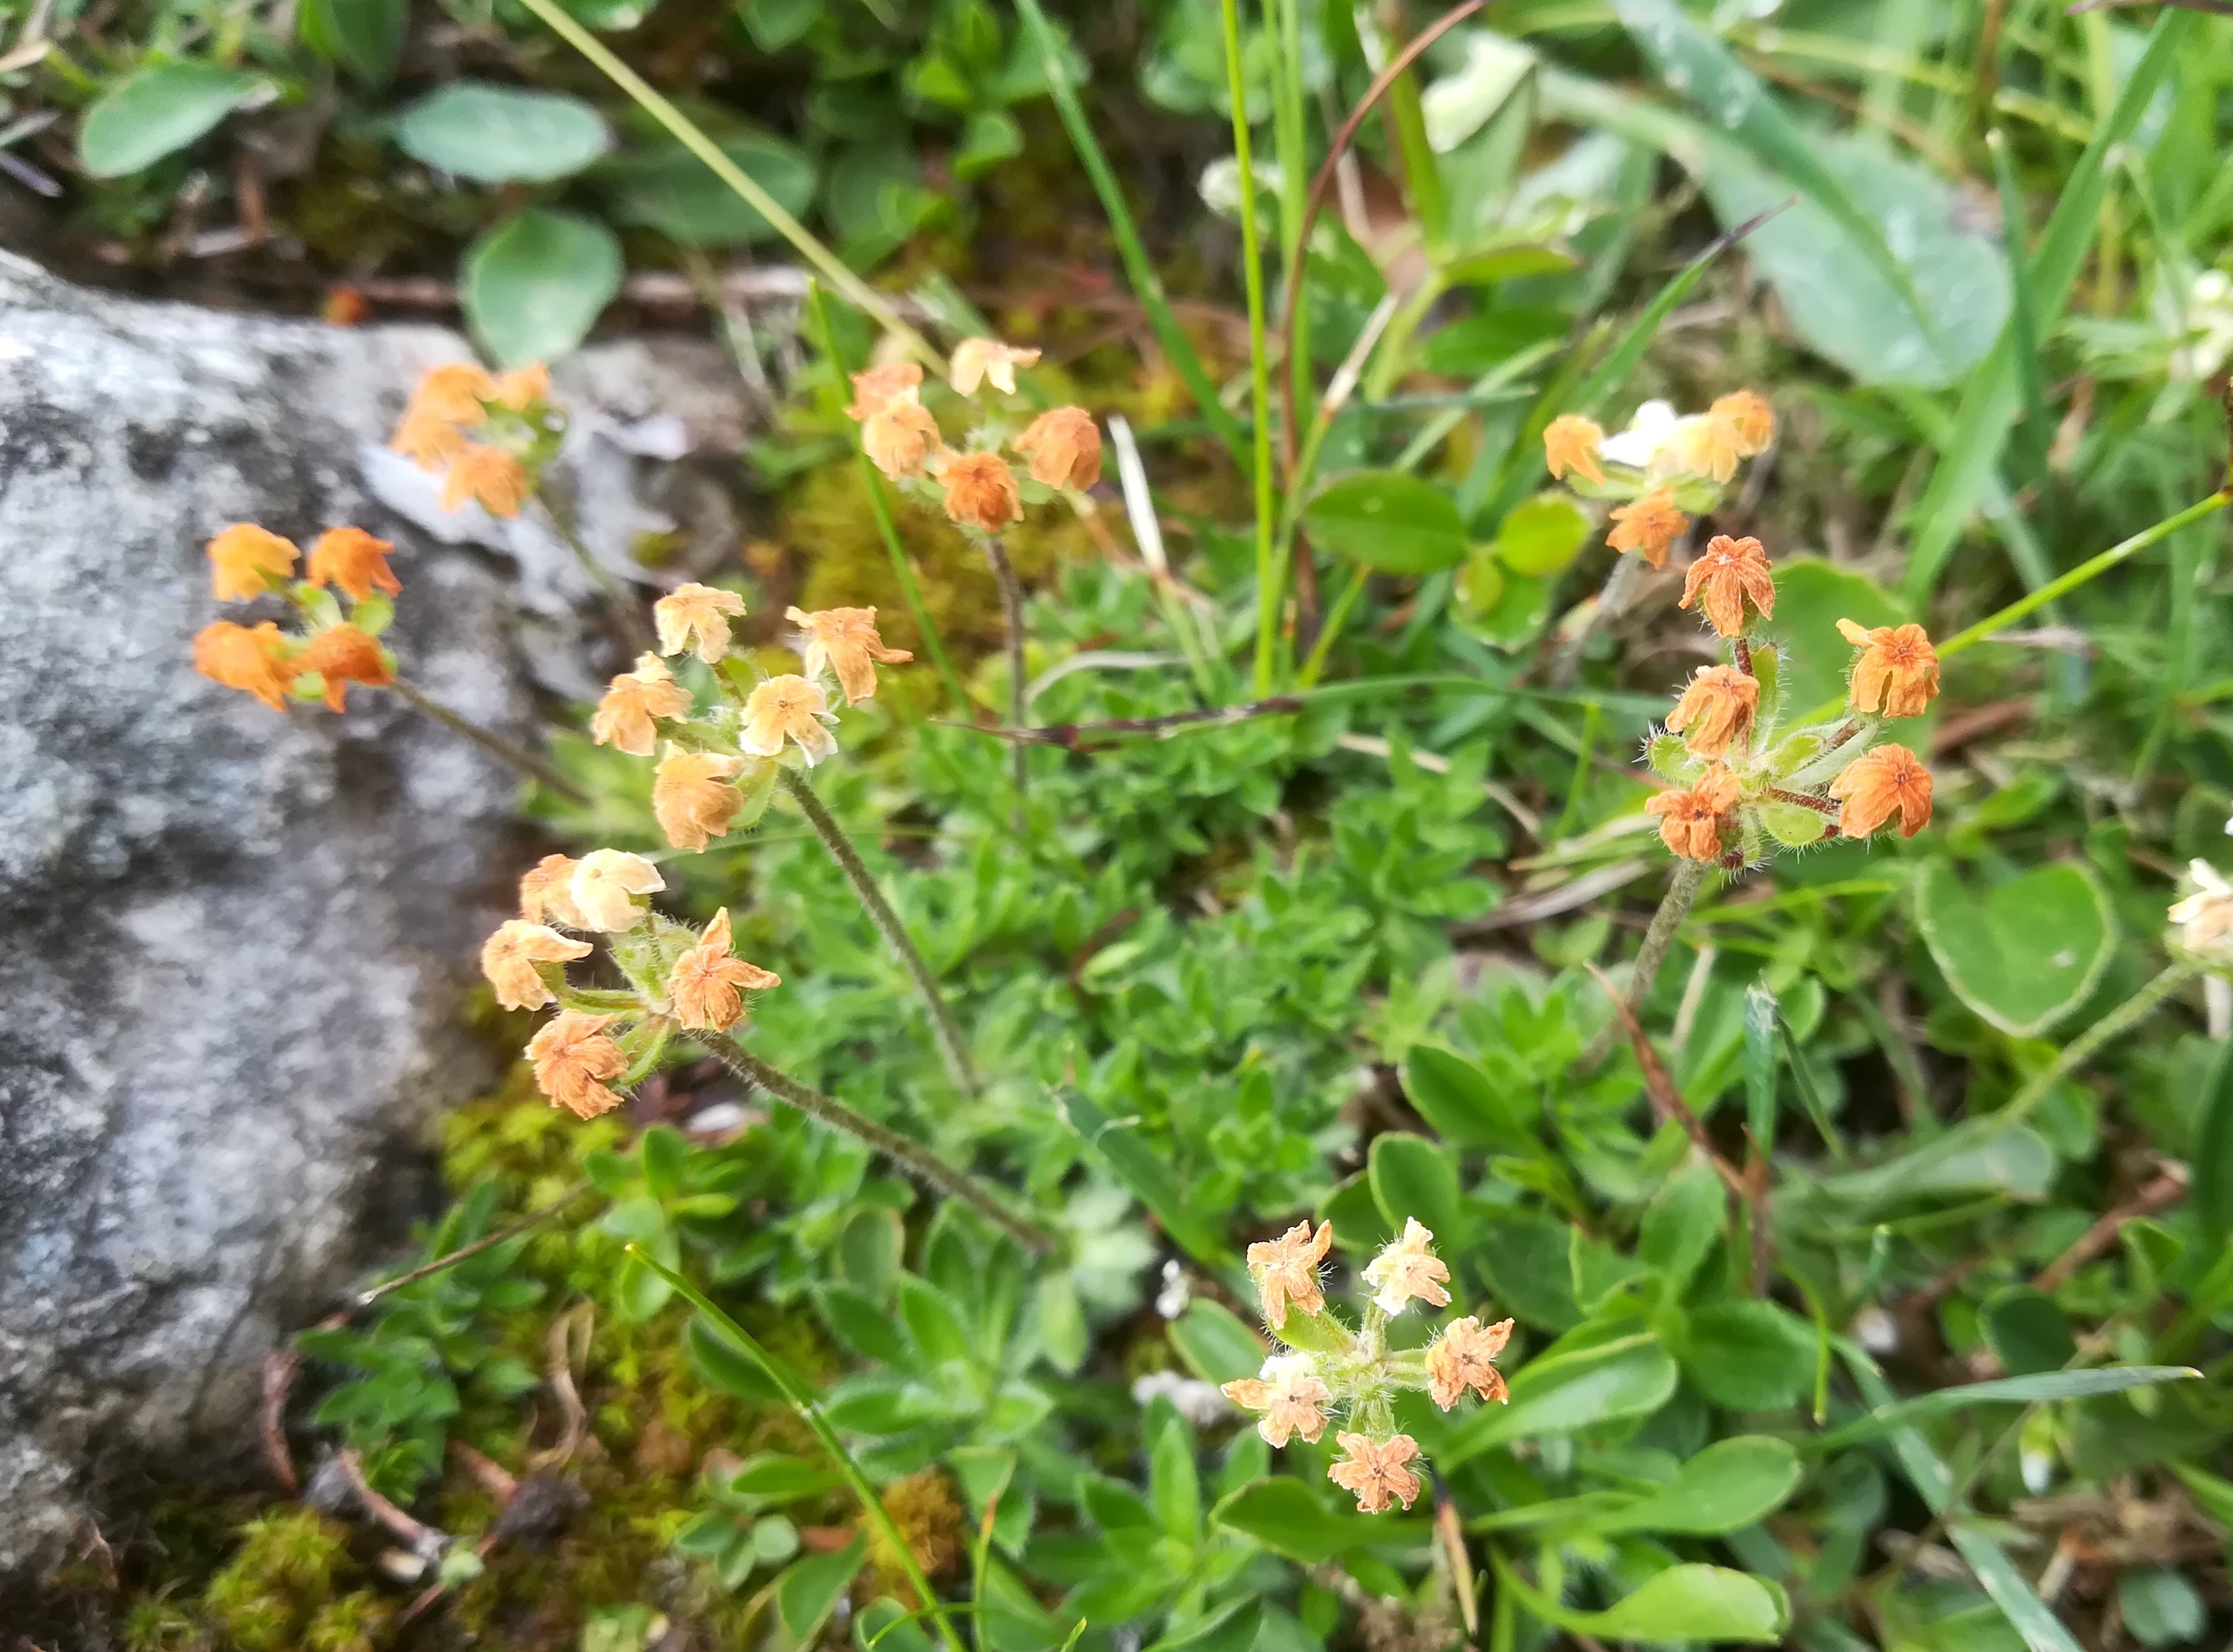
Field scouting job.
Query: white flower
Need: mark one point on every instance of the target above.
(1646, 437)
(2204, 919)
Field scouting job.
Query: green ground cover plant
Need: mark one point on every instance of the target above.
(1503, 1014)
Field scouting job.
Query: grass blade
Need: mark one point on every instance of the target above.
(1269, 585)
(2005, 1390)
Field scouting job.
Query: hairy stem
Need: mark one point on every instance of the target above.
(2086, 1044)
(1012, 606)
(1690, 878)
(951, 1045)
(498, 747)
(1612, 599)
(933, 1171)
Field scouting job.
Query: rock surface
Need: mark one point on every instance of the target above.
(232, 941)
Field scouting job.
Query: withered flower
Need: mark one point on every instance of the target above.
(980, 492)
(1289, 1393)
(1406, 1268)
(691, 796)
(1887, 781)
(342, 654)
(845, 640)
(705, 985)
(1464, 1356)
(354, 560)
(696, 614)
(1747, 414)
(1716, 710)
(605, 884)
(2204, 919)
(1648, 526)
(521, 387)
(1286, 1271)
(454, 392)
(546, 893)
(1374, 1471)
(509, 958)
(788, 707)
(1897, 670)
(976, 360)
(1571, 443)
(572, 1056)
(255, 660)
(900, 438)
(245, 562)
(879, 387)
(428, 442)
(633, 700)
(1730, 574)
(1690, 820)
(1063, 447)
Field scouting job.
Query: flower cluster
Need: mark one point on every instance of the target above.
(1664, 469)
(1737, 780)
(335, 647)
(1331, 1369)
(977, 485)
(679, 980)
(2204, 918)
(490, 436)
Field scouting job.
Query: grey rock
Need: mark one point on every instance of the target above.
(232, 941)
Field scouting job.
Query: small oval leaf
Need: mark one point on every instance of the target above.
(535, 284)
(156, 112)
(502, 134)
(1387, 520)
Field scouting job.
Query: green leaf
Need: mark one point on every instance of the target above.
(2027, 1333)
(1761, 1062)
(859, 1321)
(1173, 1485)
(932, 1322)
(2213, 1148)
(364, 36)
(1149, 1180)
(808, 1589)
(1291, 1519)
(1564, 1392)
(1541, 536)
(2026, 953)
(2159, 1606)
(1794, 825)
(1216, 1344)
(1525, 1258)
(2030, 1616)
(1412, 1177)
(1747, 1355)
(536, 284)
(1684, 1602)
(774, 25)
(1467, 1106)
(666, 188)
(1681, 1224)
(502, 134)
(1729, 1485)
(1814, 660)
(728, 1367)
(1231, 1629)
(2005, 1390)
(1389, 521)
(157, 112)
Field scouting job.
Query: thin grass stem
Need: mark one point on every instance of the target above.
(1270, 587)
(1011, 609)
(535, 768)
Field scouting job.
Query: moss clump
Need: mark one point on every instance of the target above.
(280, 1583)
(922, 1507)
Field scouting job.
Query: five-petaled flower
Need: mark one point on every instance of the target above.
(1289, 1392)
(1572, 443)
(1063, 447)
(1373, 1470)
(492, 477)
(691, 798)
(342, 654)
(1879, 784)
(633, 700)
(900, 438)
(695, 615)
(1286, 1271)
(509, 956)
(1897, 671)
(845, 641)
(1730, 574)
(247, 560)
(981, 491)
(257, 661)
(2206, 918)
(1716, 710)
(1464, 1356)
(705, 987)
(572, 1056)
(604, 885)
(546, 893)
(976, 360)
(1407, 1268)
(1690, 819)
(879, 387)
(1748, 414)
(354, 560)
(788, 707)
(1648, 526)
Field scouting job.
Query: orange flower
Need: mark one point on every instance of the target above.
(255, 662)
(455, 393)
(900, 438)
(1897, 669)
(604, 885)
(1286, 1271)
(787, 708)
(571, 1054)
(1731, 573)
(696, 613)
(1747, 414)
(1289, 1393)
(879, 387)
(354, 560)
(1716, 709)
(845, 639)
(427, 441)
(1406, 1268)
(976, 360)
(623, 716)
(1374, 1470)
(1570, 442)
(1690, 820)
(489, 476)
(705, 986)
(509, 958)
(1879, 784)
(1706, 444)
(521, 387)
(1648, 526)
(1064, 447)
(1464, 1357)
(246, 561)
(342, 654)
(691, 799)
(980, 492)
(546, 892)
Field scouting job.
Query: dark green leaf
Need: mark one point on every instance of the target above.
(156, 112)
(2027, 1333)
(668, 189)
(1566, 1392)
(1747, 1355)
(1390, 521)
(1413, 1178)
(2213, 1147)
(364, 36)
(728, 1367)
(502, 134)
(2006, 1390)
(536, 284)
(1289, 1518)
(1730, 1485)
(1217, 1346)
(808, 1589)
(1467, 1106)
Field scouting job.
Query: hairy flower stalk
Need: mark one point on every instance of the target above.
(1332, 1371)
(1012, 606)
